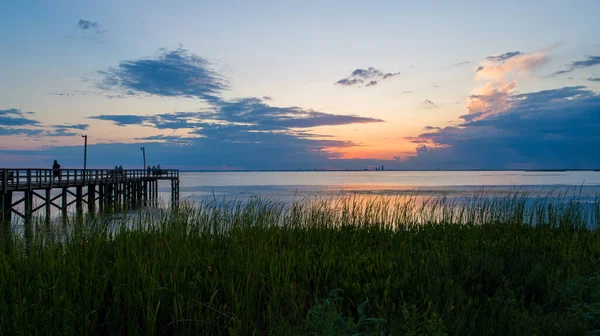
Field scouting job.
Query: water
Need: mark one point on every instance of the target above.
(286, 186)
(294, 186)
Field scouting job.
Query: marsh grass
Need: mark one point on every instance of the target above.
(408, 265)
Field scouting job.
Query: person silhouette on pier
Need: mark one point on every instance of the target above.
(56, 172)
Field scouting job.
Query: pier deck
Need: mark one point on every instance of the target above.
(103, 187)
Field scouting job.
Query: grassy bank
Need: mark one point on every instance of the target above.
(331, 267)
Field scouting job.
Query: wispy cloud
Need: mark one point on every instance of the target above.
(370, 75)
(588, 62)
(429, 104)
(462, 63)
(252, 113)
(90, 29)
(497, 67)
(503, 57)
(14, 122)
(15, 117)
(594, 79)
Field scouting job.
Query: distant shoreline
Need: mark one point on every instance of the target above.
(380, 171)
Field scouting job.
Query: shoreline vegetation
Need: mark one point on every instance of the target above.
(407, 266)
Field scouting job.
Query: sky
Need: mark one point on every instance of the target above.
(301, 84)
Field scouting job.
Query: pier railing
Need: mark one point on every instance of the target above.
(17, 179)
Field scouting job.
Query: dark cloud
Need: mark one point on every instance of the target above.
(359, 76)
(175, 73)
(432, 128)
(588, 62)
(503, 57)
(422, 148)
(90, 29)
(15, 117)
(462, 63)
(594, 79)
(429, 104)
(12, 131)
(549, 129)
(246, 132)
(82, 127)
(349, 82)
(121, 120)
(14, 122)
(252, 113)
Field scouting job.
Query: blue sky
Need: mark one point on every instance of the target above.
(306, 84)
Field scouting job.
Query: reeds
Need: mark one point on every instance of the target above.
(406, 265)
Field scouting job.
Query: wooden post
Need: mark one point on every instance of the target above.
(7, 208)
(64, 204)
(79, 199)
(48, 204)
(140, 192)
(101, 189)
(145, 191)
(91, 198)
(173, 201)
(2, 205)
(28, 195)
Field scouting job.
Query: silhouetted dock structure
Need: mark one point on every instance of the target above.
(104, 189)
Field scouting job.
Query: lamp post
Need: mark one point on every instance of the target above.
(144, 153)
(84, 156)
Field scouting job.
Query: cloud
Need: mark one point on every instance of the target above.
(14, 122)
(500, 73)
(252, 113)
(175, 73)
(548, 129)
(349, 82)
(90, 29)
(15, 117)
(372, 75)
(12, 131)
(121, 120)
(497, 67)
(503, 57)
(406, 92)
(594, 79)
(432, 128)
(462, 63)
(588, 62)
(82, 127)
(429, 104)
(247, 132)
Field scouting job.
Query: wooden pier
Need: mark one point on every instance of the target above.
(98, 189)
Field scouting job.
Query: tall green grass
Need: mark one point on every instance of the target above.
(403, 266)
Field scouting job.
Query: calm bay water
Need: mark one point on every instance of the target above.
(197, 186)
(292, 186)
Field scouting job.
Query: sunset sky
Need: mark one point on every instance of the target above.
(301, 84)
